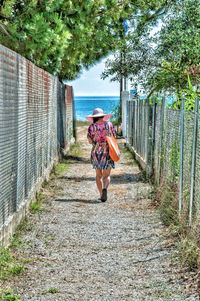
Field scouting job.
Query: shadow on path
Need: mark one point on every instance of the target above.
(75, 159)
(116, 179)
(78, 201)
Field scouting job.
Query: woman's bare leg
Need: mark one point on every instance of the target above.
(106, 177)
(99, 180)
(106, 182)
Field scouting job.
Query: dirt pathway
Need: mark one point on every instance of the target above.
(80, 249)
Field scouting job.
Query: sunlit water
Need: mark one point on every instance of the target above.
(84, 105)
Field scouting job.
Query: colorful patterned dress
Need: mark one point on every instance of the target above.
(97, 132)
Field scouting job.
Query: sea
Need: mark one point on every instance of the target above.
(84, 105)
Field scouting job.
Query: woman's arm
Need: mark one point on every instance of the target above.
(89, 139)
(89, 135)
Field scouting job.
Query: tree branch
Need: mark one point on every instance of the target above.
(3, 30)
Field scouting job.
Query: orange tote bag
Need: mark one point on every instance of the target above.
(114, 151)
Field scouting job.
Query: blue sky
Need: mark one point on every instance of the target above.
(90, 83)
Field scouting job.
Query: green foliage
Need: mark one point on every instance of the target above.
(189, 253)
(17, 241)
(155, 99)
(62, 36)
(9, 266)
(75, 150)
(188, 240)
(116, 115)
(175, 160)
(60, 169)
(37, 204)
(189, 95)
(7, 295)
(53, 290)
(168, 205)
(162, 61)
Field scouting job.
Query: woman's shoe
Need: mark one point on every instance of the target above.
(104, 195)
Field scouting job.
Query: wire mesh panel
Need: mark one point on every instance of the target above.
(157, 148)
(138, 127)
(187, 158)
(69, 113)
(22, 132)
(130, 124)
(129, 121)
(32, 128)
(197, 172)
(171, 145)
(174, 150)
(8, 132)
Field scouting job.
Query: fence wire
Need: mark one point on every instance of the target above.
(163, 127)
(170, 149)
(33, 127)
(138, 126)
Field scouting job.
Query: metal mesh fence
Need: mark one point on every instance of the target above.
(174, 151)
(138, 127)
(197, 173)
(170, 149)
(187, 151)
(157, 150)
(32, 128)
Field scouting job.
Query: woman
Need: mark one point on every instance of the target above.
(100, 159)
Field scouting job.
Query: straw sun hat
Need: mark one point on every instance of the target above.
(98, 113)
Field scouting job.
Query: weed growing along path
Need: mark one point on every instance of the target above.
(79, 249)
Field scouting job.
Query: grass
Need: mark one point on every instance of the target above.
(9, 265)
(59, 169)
(168, 207)
(37, 204)
(189, 252)
(187, 239)
(129, 156)
(7, 295)
(48, 239)
(75, 150)
(52, 290)
(82, 123)
(16, 241)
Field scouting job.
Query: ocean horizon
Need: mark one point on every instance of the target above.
(84, 105)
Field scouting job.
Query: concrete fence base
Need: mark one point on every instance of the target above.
(9, 228)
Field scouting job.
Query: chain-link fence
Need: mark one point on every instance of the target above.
(33, 127)
(138, 129)
(166, 143)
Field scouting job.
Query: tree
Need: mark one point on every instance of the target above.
(164, 60)
(63, 36)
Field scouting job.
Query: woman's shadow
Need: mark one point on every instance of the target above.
(88, 201)
(124, 178)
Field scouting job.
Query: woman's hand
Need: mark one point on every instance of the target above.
(90, 140)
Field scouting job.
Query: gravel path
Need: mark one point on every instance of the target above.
(80, 249)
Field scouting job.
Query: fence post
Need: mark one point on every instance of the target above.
(138, 126)
(150, 137)
(133, 122)
(153, 135)
(125, 97)
(74, 130)
(180, 205)
(161, 137)
(193, 167)
(127, 138)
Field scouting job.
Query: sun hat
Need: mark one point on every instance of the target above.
(98, 112)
